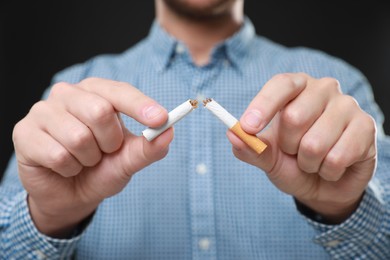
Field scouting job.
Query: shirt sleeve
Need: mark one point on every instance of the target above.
(366, 234)
(19, 238)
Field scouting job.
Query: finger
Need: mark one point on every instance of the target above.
(356, 144)
(43, 151)
(299, 115)
(240, 149)
(265, 160)
(127, 99)
(94, 111)
(158, 148)
(67, 130)
(135, 154)
(322, 136)
(275, 94)
(141, 153)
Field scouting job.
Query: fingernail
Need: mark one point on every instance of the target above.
(152, 111)
(253, 118)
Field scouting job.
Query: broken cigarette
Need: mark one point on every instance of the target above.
(234, 125)
(173, 117)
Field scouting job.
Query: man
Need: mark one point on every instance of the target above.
(92, 187)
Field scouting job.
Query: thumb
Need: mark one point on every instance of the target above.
(138, 152)
(265, 160)
(115, 170)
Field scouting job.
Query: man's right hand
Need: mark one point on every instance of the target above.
(73, 150)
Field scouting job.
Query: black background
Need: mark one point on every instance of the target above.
(38, 39)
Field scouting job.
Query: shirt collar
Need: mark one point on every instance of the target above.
(238, 45)
(164, 45)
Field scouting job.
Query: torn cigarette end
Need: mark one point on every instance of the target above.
(173, 117)
(194, 103)
(234, 125)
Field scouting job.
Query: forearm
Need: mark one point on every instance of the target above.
(20, 239)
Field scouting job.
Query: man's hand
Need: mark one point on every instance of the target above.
(321, 144)
(73, 150)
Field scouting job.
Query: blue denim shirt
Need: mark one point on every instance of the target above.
(200, 202)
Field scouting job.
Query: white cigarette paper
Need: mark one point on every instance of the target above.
(173, 117)
(234, 125)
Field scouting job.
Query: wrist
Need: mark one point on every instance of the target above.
(59, 225)
(330, 213)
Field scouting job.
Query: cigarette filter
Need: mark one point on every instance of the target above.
(173, 117)
(234, 125)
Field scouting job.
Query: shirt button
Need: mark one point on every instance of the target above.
(201, 169)
(40, 254)
(179, 49)
(204, 244)
(333, 243)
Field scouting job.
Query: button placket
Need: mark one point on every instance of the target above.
(201, 201)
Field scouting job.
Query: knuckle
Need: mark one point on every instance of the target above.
(312, 147)
(100, 112)
(370, 131)
(89, 80)
(330, 172)
(281, 76)
(292, 118)
(303, 74)
(38, 107)
(335, 161)
(368, 128)
(368, 125)
(88, 83)
(18, 131)
(58, 157)
(284, 79)
(58, 89)
(79, 136)
(122, 84)
(330, 84)
(348, 102)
